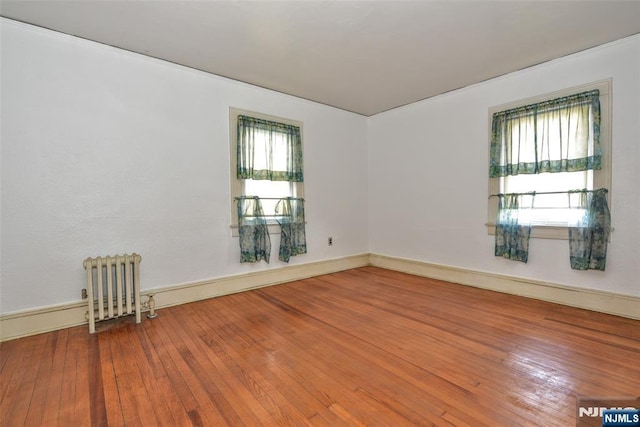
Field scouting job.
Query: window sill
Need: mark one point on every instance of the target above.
(541, 231)
(273, 227)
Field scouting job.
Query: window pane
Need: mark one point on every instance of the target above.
(270, 147)
(551, 136)
(279, 146)
(549, 209)
(260, 149)
(272, 189)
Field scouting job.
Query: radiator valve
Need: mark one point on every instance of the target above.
(151, 305)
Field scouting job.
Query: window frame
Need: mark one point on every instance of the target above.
(237, 185)
(601, 177)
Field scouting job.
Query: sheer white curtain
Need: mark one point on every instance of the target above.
(513, 227)
(268, 150)
(560, 135)
(589, 232)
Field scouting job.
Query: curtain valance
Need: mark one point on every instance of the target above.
(559, 135)
(268, 150)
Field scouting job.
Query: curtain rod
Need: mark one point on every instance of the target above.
(549, 192)
(268, 198)
(264, 216)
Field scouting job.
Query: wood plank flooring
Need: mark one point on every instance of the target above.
(360, 347)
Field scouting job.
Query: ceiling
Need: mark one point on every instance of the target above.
(361, 56)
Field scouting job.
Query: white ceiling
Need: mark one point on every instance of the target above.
(361, 56)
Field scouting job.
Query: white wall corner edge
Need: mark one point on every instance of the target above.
(594, 300)
(35, 321)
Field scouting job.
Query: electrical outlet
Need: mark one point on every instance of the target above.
(330, 241)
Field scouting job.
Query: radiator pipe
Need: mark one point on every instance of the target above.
(152, 307)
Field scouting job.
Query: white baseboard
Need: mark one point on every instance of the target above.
(174, 295)
(605, 302)
(46, 319)
(31, 322)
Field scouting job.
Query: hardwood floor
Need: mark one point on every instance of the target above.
(360, 347)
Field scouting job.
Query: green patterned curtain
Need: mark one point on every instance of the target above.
(290, 216)
(255, 244)
(512, 226)
(589, 232)
(268, 150)
(560, 135)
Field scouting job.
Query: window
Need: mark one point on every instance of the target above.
(549, 145)
(266, 161)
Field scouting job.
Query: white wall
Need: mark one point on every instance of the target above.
(105, 151)
(428, 168)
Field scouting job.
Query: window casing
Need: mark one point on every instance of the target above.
(268, 191)
(551, 214)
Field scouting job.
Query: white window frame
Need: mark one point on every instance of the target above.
(237, 185)
(601, 177)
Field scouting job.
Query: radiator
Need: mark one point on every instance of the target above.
(113, 287)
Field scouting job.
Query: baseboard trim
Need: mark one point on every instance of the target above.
(190, 292)
(47, 319)
(605, 302)
(32, 322)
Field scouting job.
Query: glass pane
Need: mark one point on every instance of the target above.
(268, 189)
(270, 147)
(279, 146)
(260, 149)
(549, 209)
